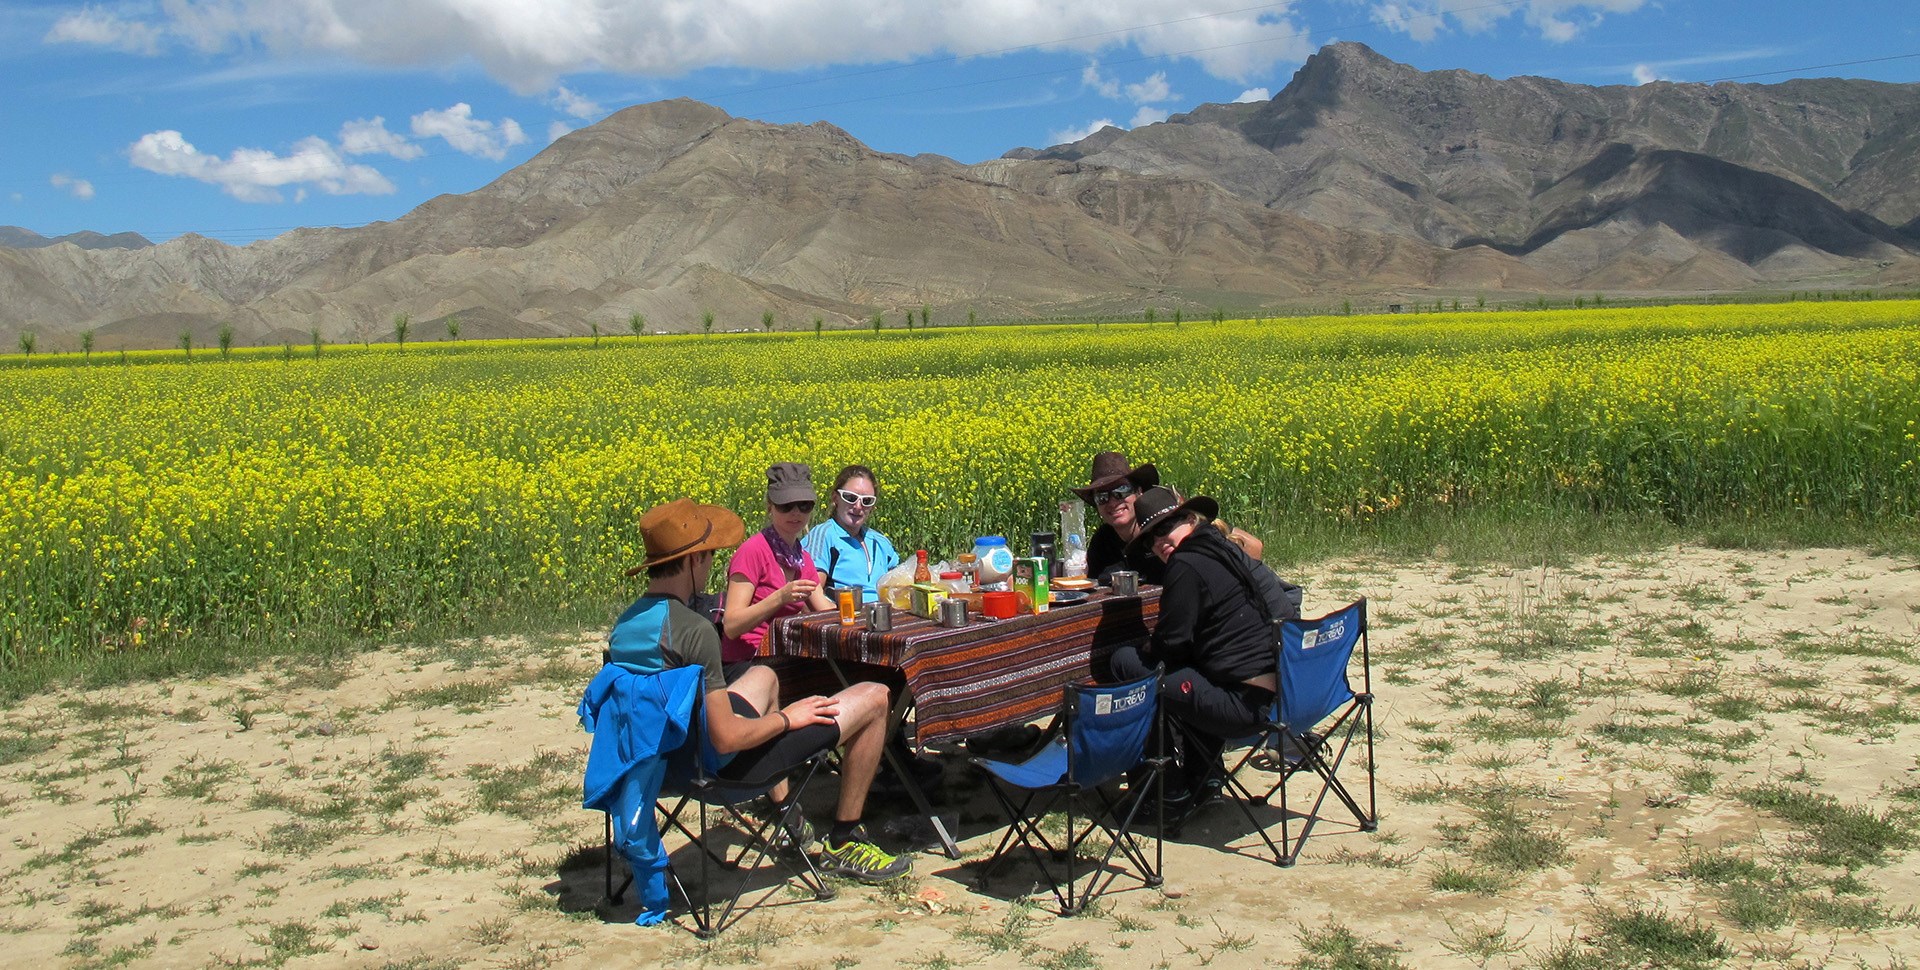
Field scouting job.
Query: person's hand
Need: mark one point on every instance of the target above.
(796, 591)
(812, 710)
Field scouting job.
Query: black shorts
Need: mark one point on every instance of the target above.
(776, 756)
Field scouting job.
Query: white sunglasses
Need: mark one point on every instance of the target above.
(854, 498)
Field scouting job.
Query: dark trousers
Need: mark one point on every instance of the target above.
(1211, 713)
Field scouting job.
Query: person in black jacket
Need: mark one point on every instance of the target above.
(1214, 636)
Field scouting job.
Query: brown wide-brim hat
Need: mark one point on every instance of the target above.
(1110, 468)
(1158, 504)
(683, 527)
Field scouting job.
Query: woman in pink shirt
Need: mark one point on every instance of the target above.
(771, 576)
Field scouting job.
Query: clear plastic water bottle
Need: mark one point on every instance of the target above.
(1073, 542)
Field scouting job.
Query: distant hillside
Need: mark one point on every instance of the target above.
(14, 237)
(1363, 178)
(1660, 186)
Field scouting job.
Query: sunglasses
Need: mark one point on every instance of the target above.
(1113, 494)
(1164, 527)
(806, 506)
(855, 498)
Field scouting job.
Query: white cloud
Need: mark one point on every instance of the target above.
(369, 136)
(530, 43)
(557, 130)
(468, 134)
(1091, 77)
(103, 29)
(1645, 74)
(78, 188)
(256, 175)
(1253, 94)
(1152, 90)
(1555, 20)
(574, 103)
(1147, 115)
(1070, 135)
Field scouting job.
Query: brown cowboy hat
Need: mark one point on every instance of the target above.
(1158, 504)
(1110, 468)
(683, 527)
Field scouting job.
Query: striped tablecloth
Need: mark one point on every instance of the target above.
(988, 674)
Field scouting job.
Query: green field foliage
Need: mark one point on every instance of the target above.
(268, 495)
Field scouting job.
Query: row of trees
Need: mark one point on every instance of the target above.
(637, 323)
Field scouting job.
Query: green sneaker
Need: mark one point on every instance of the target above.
(795, 836)
(859, 859)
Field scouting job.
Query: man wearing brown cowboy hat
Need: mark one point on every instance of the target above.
(1113, 486)
(1214, 636)
(744, 725)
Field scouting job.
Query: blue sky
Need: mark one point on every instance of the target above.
(242, 119)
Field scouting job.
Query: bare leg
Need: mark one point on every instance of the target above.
(863, 732)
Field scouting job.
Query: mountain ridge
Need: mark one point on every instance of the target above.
(1362, 177)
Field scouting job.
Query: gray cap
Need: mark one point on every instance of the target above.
(790, 481)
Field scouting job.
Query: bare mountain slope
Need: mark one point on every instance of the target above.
(1456, 158)
(1362, 176)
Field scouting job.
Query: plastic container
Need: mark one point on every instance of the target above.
(996, 561)
(955, 580)
(1000, 605)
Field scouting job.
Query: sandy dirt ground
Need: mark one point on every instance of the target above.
(1573, 761)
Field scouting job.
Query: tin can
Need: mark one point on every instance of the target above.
(953, 613)
(879, 616)
(849, 607)
(1126, 582)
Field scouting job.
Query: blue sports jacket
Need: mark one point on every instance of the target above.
(637, 721)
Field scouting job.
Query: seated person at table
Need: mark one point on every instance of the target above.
(1112, 491)
(1214, 636)
(854, 553)
(772, 576)
(758, 739)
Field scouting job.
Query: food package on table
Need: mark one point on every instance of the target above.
(926, 599)
(1030, 583)
(896, 587)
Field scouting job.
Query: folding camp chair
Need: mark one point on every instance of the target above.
(1100, 734)
(691, 781)
(1314, 659)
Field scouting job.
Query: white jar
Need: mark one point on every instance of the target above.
(996, 560)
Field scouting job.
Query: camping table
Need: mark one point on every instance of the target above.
(985, 675)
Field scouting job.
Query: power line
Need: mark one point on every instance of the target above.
(1812, 67)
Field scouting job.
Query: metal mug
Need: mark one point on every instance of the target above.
(1126, 582)
(953, 613)
(879, 616)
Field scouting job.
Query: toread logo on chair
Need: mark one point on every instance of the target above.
(1105, 704)
(1332, 632)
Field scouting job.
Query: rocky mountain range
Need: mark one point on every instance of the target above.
(14, 237)
(1362, 179)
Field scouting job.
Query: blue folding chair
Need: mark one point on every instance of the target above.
(691, 779)
(1101, 733)
(1316, 719)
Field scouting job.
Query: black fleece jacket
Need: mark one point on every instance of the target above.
(1209, 619)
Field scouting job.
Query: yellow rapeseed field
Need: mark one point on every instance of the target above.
(263, 495)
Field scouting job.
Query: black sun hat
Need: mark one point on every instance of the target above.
(1160, 503)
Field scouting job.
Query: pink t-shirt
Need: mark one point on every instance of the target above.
(755, 561)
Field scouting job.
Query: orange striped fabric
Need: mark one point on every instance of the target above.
(988, 674)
